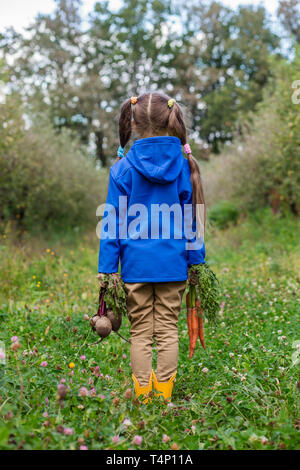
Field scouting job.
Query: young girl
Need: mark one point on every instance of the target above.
(154, 267)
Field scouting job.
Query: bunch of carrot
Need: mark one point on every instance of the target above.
(195, 324)
(203, 295)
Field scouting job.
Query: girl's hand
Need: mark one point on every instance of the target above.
(101, 276)
(193, 275)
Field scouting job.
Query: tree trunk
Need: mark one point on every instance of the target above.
(275, 201)
(99, 148)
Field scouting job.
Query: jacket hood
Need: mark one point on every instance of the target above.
(159, 159)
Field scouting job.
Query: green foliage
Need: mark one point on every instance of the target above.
(286, 167)
(82, 77)
(113, 288)
(230, 66)
(46, 179)
(241, 393)
(203, 284)
(209, 57)
(263, 167)
(223, 213)
(289, 15)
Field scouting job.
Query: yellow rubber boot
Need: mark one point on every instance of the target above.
(145, 391)
(163, 388)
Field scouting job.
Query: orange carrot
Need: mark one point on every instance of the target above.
(194, 328)
(200, 332)
(194, 331)
(189, 320)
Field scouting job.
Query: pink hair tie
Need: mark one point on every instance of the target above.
(187, 149)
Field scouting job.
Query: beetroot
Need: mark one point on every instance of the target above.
(103, 327)
(111, 306)
(93, 321)
(116, 321)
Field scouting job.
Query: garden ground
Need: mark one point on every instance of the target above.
(59, 392)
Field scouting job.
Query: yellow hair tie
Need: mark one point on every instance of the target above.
(171, 103)
(133, 99)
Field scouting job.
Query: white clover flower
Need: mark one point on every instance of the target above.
(2, 355)
(127, 422)
(296, 344)
(253, 438)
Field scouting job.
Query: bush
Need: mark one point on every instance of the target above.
(223, 214)
(262, 168)
(47, 180)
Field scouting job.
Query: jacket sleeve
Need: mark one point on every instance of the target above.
(109, 252)
(194, 256)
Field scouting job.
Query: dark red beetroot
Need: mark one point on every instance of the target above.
(103, 326)
(93, 321)
(105, 320)
(116, 321)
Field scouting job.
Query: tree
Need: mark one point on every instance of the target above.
(52, 69)
(289, 15)
(128, 49)
(209, 57)
(47, 66)
(82, 76)
(225, 66)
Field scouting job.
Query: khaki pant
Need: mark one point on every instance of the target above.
(153, 310)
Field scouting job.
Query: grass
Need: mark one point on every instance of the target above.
(241, 393)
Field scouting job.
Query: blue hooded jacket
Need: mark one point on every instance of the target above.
(153, 172)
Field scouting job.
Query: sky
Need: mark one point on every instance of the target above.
(19, 13)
